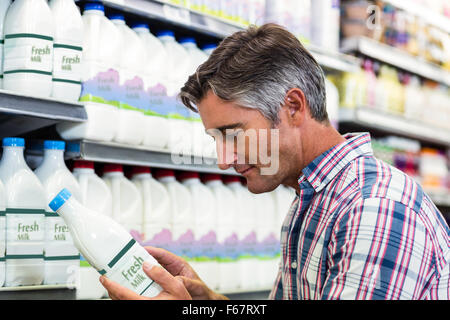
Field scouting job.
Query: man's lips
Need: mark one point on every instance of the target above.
(243, 172)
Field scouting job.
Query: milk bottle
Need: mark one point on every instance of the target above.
(67, 50)
(156, 124)
(2, 233)
(157, 220)
(209, 48)
(204, 219)
(247, 235)
(106, 245)
(127, 202)
(266, 239)
(178, 65)
(28, 49)
(61, 258)
(130, 122)
(180, 207)
(101, 42)
(197, 58)
(95, 195)
(227, 238)
(4, 5)
(25, 217)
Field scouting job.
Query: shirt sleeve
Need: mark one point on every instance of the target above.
(277, 290)
(379, 249)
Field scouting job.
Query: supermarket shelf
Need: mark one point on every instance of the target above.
(176, 15)
(366, 118)
(140, 156)
(52, 292)
(433, 18)
(219, 28)
(396, 57)
(21, 113)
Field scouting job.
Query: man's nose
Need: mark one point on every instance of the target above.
(226, 155)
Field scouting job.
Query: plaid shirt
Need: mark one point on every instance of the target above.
(361, 229)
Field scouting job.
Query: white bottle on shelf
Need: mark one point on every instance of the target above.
(205, 228)
(96, 196)
(130, 127)
(247, 232)
(2, 233)
(107, 246)
(28, 50)
(180, 203)
(157, 220)
(178, 65)
(197, 57)
(325, 24)
(4, 5)
(156, 127)
(61, 258)
(101, 38)
(127, 202)
(68, 49)
(25, 217)
(226, 234)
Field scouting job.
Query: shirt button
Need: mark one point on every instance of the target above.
(294, 265)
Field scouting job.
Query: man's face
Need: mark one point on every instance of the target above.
(248, 142)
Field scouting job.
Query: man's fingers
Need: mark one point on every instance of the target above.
(118, 292)
(162, 277)
(171, 262)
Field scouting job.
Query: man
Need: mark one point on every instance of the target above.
(357, 229)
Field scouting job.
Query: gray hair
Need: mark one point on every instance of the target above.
(255, 68)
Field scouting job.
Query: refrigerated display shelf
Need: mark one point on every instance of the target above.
(427, 15)
(52, 292)
(395, 57)
(219, 28)
(367, 118)
(111, 152)
(23, 113)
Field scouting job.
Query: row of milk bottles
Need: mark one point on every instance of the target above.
(158, 61)
(50, 49)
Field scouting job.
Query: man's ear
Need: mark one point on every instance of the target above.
(295, 106)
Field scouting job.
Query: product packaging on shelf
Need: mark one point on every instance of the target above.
(25, 217)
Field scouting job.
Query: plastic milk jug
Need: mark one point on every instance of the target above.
(156, 208)
(204, 220)
(247, 235)
(100, 78)
(95, 195)
(67, 50)
(180, 207)
(156, 124)
(4, 5)
(226, 236)
(178, 65)
(25, 217)
(28, 50)
(2, 233)
(197, 58)
(61, 258)
(107, 246)
(127, 202)
(130, 122)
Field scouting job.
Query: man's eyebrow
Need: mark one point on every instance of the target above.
(228, 126)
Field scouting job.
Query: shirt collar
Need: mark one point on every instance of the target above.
(325, 167)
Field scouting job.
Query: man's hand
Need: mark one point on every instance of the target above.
(173, 289)
(182, 271)
(177, 278)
